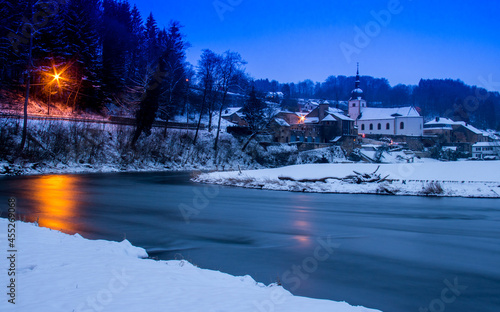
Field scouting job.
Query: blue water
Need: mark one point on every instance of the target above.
(388, 253)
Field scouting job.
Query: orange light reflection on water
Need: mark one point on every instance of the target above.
(57, 200)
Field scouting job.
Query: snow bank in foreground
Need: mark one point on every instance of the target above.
(461, 179)
(58, 272)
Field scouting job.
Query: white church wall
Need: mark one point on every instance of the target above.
(413, 126)
(364, 126)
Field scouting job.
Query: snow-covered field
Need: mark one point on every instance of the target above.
(56, 272)
(461, 179)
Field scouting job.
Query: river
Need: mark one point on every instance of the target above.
(390, 253)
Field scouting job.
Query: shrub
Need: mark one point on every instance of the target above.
(432, 188)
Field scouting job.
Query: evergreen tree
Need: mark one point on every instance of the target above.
(117, 44)
(172, 42)
(81, 49)
(254, 111)
(137, 61)
(151, 46)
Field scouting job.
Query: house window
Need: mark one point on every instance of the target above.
(353, 105)
(363, 127)
(371, 126)
(379, 126)
(402, 125)
(388, 126)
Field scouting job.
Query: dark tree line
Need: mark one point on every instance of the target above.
(103, 50)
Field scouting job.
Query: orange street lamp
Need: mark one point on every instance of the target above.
(56, 78)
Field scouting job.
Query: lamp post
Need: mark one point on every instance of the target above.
(56, 76)
(50, 94)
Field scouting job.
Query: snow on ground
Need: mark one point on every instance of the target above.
(460, 179)
(56, 272)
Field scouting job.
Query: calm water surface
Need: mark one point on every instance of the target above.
(391, 253)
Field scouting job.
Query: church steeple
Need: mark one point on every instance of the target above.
(356, 102)
(358, 82)
(357, 93)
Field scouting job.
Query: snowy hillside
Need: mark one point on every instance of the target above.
(59, 272)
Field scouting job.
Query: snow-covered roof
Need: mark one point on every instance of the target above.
(375, 113)
(230, 111)
(329, 118)
(491, 135)
(469, 127)
(313, 103)
(342, 116)
(332, 110)
(440, 121)
(275, 93)
(311, 120)
(281, 122)
(487, 144)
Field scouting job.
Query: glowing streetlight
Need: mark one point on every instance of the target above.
(57, 77)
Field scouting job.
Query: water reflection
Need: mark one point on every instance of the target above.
(302, 225)
(57, 198)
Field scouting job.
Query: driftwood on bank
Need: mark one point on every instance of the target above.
(356, 178)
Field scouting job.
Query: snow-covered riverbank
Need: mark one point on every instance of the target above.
(60, 272)
(459, 179)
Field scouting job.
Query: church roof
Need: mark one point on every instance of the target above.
(375, 113)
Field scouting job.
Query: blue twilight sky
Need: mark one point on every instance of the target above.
(293, 40)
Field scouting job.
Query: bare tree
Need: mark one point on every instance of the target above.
(207, 74)
(230, 70)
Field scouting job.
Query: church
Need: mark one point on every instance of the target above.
(400, 121)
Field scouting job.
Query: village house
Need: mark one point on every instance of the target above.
(280, 129)
(235, 116)
(275, 96)
(451, 131)
(456, 133)
(323, 125)
(486, 150)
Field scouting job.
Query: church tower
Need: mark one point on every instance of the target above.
(356, 102)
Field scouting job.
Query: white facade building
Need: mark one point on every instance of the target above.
(404, 121)
(486, 150)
